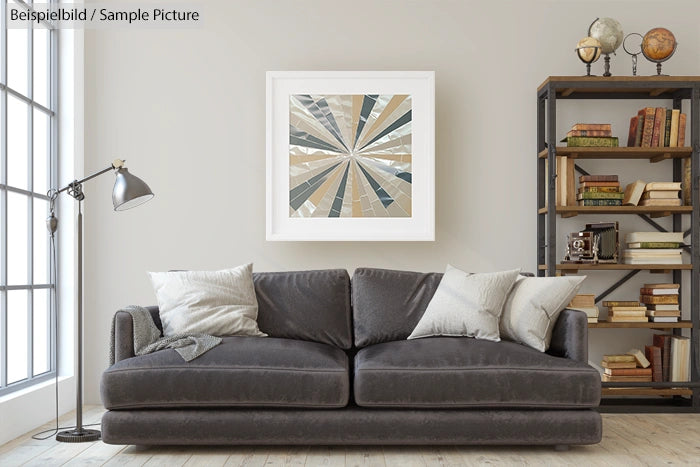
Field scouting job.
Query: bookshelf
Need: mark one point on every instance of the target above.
(625, 397)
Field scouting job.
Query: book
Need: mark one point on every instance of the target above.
(660, 202)
(658, 299)
(592, 126)
(610, 303)
(582, 300)
(674, 186)
(639, 356)
(592, 319)
(681, 130)
(667, 129)
(598, 178)
(627, 319)
(561, 180)
(627, 308)
(673, 139)
(622, 379)
(663, 341)
(607, 133)
(648, 130)
(599, 195)
(632, 237)
(653, 354)
(632, 136)
(662, 285)
(661, 307)
(660, 194)
(652, 291)
(652, 252)
(664, 313)
(615, 365)
(591, 311)
(628, 371)
(640, 127)
(600, 202)
(663, 319)
(618, 358)
(680, 359)
(608, 184)
(599, 189)
(659, 121)
(659, 260)
(686, 184)
(633, 193)
(653, 245)
(591, 141)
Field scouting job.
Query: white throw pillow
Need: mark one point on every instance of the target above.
(220, 303)
(533, 307)
(466, 305)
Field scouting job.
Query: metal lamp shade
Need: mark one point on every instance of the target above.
(129, 191)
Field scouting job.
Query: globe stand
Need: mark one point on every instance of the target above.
(607, 66)
(592, 58)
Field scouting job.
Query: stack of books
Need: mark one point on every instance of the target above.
(599, 190)
(661, 194)
(661, 301)
(632, 366)
(675, 358)
(654, 127)
(585, 303)
(626, 311)
(653, 248)
(591, 135)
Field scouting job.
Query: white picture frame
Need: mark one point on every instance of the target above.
(289, 218)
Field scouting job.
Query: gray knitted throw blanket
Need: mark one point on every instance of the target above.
(147, 337)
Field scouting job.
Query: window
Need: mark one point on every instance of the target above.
(27, 171)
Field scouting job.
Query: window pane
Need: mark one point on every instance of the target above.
(41, 152)
(41, 242)
(42, 338)
(41, 65)
(17, 238)
(17, 59)
(16, 335)
(17, 150)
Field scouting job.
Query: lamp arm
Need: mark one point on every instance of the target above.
(117, 164)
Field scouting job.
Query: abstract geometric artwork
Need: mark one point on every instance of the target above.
(350, 155)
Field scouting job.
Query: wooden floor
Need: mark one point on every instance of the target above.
(654, 439)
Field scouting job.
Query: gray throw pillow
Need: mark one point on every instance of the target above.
(220, 303)
(466, 305)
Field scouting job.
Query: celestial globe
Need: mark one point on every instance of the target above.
(658, 44)
(609, 32)
(588, 49)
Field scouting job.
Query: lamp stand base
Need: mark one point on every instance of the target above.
(78, 436)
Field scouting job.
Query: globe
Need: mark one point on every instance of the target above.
(658, 44)
(588, 49)
(609, 32)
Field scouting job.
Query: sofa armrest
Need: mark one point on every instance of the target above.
(124, 333)
(570, 336)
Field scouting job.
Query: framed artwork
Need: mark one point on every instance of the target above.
(350, 156)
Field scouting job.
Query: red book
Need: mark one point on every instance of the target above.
(663, 341)
(592, 126)
(653, 354)
(681, 130)
(607, 133)
(634, 121)
(648, 130)
(597, 178)
(659, 124)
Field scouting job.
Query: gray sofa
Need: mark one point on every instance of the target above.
(337, 369)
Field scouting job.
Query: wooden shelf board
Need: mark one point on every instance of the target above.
(648, 325)
(647, 391)
(654, 211)
(651, 86)
(653, 154)
(618, 267)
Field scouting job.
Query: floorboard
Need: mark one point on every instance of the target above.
(628, 439)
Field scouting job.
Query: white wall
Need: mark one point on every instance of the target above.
(186, 108)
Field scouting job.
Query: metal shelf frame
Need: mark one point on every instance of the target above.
(677, 89)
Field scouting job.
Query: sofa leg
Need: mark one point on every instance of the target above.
(561, 447)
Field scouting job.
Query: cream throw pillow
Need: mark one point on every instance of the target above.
(466, 305)
(220, 303)
(533, 306)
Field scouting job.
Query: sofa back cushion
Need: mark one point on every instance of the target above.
(307, 305)
(387, 305)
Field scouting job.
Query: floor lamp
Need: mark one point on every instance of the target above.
(129, 191)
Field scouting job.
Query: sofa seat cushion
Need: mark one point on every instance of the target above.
(461, 372)
(241, 371)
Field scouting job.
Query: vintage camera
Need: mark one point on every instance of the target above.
(597, 243)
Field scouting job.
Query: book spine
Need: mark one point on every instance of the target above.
(599, 189)
(615, 185)
(634, 122)
(592, 126)
(653, 245)
(663, 186)
(659, 299)
(610, 303)
(640, 128)
(597, 178)
(673, 138)
(600, 202)
(681, 130)
(647, 291)
(667, 129)
(686, 184)
(600, 195)
(648, 130)
(659, 121)
(589, 133)
(592, 141)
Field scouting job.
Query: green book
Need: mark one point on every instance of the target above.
(592, 141)
(599, 195)
(600, 202)
(600, 189)
(653, 245)
(667, 128)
